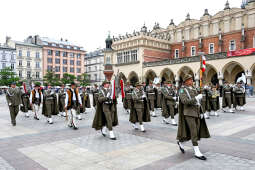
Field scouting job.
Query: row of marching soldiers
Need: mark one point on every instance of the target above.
(67, 102)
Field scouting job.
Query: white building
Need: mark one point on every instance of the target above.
(94, 66)
(7, 57)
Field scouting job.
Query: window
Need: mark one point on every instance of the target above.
(28, 74)
(78, 55)
(254, 42)
(20, 53)
(57, 69)
(3, 56)
(78, 70)
(50, 52)
(20, 74)
(37, 55)
(49, 60)
(64, 69)
(176, 53)
(57, 53)
(49, 68)
(37, 75)
(71, 69)
(64, 61)
(71, 62)
(108, 60)
(193, 51)
(211, 48)
(71, 55)
(12, 56)
(28, 63)
(3, 65)
(20, 62)
(89, 77)
(12, 66)
(95, 75)
(64, 54)
(37, 64)
(133, 55)
(89, 69)
(28, 53)
(95, 68)
(57, 61)
(78, 63)
(232, 45)
(119, 58)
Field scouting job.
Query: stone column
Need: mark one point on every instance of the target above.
(197, 78)
(220, 77)
(248, 77)
(177, 82)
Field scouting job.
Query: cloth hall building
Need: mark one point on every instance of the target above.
(227, 39)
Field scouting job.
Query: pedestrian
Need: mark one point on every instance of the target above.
(13, 97)
(36, 100)
(192, 125)
(61, 100)
(150, 92)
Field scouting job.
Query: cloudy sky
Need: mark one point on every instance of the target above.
(87, 22)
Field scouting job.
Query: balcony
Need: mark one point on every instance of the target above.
(185, 60)
(108, 67)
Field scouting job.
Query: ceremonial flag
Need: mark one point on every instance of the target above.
(24, 87)
(203, 66)
(122, 89)
(113, 89)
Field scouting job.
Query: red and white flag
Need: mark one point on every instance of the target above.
(203, 67)
(122, 89)
(113, 90)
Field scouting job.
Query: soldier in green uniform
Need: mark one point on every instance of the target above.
(78, 112)
(140, 110)
(191, 124)
(25, 102)
(50, 105)
(106, 112)
(168, 103)
(95, 93)
(214, 101)
(159, 96)
(227, 97)
(128, 97)
(13, 97)
(85, 100)
(239, 94)
(61, 100)
(150, 91)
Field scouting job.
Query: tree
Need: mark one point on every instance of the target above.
(51, 78)
(84, 79)
(7, 76)
(68, 78)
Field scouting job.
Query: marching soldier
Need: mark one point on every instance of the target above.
(106, 112)
(78, 112)
(159, 96)
(36, 98)
(72, 101)
(85, 100)
(140, 110)
(13, 97)
(215, 101)
(168, 103)
(95, 93)
(239, 94)
(25, 102)
(50, 105)
(61, 100)
(128, 97)
(192, 124)
(227, 97)
(150, 90)
(205, 103)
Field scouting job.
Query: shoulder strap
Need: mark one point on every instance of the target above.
(187, 93)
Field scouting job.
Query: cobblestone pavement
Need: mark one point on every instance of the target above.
(33, 145)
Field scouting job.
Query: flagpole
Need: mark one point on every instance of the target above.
(201, 71)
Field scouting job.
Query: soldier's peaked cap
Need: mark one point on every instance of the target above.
(105, 82)
(187, 77)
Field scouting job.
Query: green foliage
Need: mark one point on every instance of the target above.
(51, 78)
(7, 76)
(68, 78)
(84, 79)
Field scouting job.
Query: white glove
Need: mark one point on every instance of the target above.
(108, 95)
(10, 104)
(52, 92)
(199, 97)
(174, 98)
(143, 96)
(201, 116)
(21, 105)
